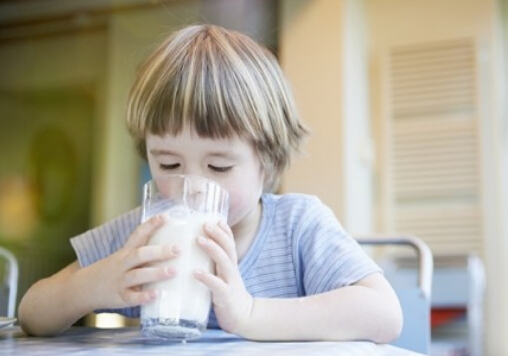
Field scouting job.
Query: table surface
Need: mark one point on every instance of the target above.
(130, 341)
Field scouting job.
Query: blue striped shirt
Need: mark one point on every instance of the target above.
(300, 249)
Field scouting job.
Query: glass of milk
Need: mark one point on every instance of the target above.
(183, 305)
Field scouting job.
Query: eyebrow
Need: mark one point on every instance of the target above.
(156, 152)
(163, 152)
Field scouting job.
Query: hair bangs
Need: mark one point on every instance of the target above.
(204, 96)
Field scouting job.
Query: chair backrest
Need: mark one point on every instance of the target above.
(413, 286)
(9, 283)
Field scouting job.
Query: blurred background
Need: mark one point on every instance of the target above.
(406, 100)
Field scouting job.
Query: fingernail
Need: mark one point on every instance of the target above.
(152, 294)
(175, 250)
(168, 271)
(158, 219)
(202, 240)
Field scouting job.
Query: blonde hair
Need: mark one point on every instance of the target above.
(219, 83)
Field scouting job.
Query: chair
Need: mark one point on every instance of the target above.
(457, 305)
(9, 286)
(412, 283)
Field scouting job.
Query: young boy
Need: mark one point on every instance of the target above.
(214, 103)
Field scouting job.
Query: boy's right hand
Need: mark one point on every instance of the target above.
(118, 278)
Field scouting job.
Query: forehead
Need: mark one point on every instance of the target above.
(188, 142)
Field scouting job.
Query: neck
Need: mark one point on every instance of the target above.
(246, 231)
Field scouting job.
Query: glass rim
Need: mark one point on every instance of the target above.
(183, 176)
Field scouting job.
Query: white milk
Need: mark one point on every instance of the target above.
(182, 296)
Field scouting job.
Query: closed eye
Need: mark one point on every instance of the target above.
(220, 169)
(168, 167)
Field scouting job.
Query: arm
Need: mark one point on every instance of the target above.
(53, 304)
(48, 307)
(367, 310)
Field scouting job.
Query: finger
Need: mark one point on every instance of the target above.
(224, 266)
(140, 276)
(134, 297)
(216, 285)
(150, 253)
(223, 236)
(144, 231)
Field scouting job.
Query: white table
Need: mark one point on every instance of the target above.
(129, 341)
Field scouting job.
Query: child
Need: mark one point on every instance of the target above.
(212, 102)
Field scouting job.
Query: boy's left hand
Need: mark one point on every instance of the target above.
(231, 301)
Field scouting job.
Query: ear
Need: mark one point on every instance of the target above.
(271, 182)
(264, 177)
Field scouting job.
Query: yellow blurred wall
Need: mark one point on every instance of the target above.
(313, 54)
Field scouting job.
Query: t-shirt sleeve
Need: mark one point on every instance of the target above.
(106, 239)
(103, 241)
(329, 257)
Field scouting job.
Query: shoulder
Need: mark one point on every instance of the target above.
(120, 225)
(293, 200)
(294, 209)
(294, 204)
(105, 239)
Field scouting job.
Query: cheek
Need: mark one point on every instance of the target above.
(241, 202)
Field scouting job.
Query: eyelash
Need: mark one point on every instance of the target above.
(220, 169)
(168, 167)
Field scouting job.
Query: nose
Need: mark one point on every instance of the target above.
(194, 184)
(192, 169)
(195, 192)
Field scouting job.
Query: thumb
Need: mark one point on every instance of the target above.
(144, 231)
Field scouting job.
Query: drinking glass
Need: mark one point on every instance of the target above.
(181, 309)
